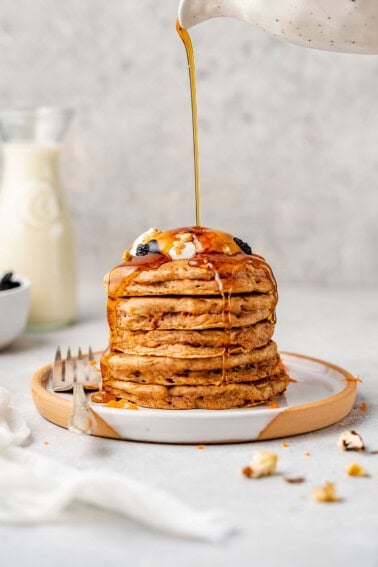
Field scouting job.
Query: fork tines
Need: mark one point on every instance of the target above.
(67, 371)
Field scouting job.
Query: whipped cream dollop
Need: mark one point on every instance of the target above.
(185, 243)
(185, 246)
(144, 238)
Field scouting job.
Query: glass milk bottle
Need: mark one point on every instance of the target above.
(36, 237)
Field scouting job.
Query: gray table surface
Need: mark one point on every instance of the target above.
(280, 523)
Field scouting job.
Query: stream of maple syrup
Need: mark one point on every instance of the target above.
(217, 248)
(183, 33)
(225, 294)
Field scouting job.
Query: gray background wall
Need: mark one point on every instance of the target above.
(288, 136)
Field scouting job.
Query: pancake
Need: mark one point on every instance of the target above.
(245, 373)
(191, 314)
(148, 313)
(192, 344)
(225, 396)
(241, 274)
(154, 366)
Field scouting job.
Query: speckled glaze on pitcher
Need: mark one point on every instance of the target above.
(349, 26)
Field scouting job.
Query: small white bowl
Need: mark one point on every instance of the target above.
(14, 310)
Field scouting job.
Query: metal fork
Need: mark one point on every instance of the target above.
(76, 375)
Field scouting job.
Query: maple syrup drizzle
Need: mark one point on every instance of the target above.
(102, 397)
(227, 328)
(227, 317)
(227, 320)
(122, 274)
(112, 401)
(184, 35)
(211, 258)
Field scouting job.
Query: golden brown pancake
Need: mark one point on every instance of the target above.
(190, 312)
(257, 364)
(158, 365)
(224, 396)
(241, 273)
(191, 319)
(191, 344)
(246, 373)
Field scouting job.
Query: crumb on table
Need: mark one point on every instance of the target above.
(263, 463)
(326, 493)
(247, 472)
(355, 469)
(350, 440)
(294, 479)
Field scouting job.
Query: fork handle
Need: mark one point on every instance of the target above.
(81, 419)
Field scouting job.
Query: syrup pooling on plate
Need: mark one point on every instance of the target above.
(211, 250)
(102, 397)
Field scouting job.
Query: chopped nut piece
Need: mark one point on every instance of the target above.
(178, 246)
(248, 472)
(355, 469)
(294, 480)
(351, 441)
(263, 464)
(326, 493)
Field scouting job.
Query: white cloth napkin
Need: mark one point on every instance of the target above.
(13, 429)
(34, 488)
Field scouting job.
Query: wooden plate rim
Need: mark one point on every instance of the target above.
(274, 429)
(350, 386)
(281, 424)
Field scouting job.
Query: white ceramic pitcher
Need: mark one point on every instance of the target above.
(333, 25)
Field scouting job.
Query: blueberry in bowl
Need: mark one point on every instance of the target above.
(7, 282)
(14, 306)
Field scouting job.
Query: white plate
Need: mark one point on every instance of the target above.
(322, 395)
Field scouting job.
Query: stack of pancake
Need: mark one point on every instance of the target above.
(191, 318)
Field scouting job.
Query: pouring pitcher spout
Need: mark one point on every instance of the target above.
(333, 25)
(192, 12)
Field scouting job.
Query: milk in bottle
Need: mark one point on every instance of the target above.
(36, 237)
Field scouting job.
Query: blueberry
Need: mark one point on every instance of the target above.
(142, 249)
(243, 246)
(6, 282)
